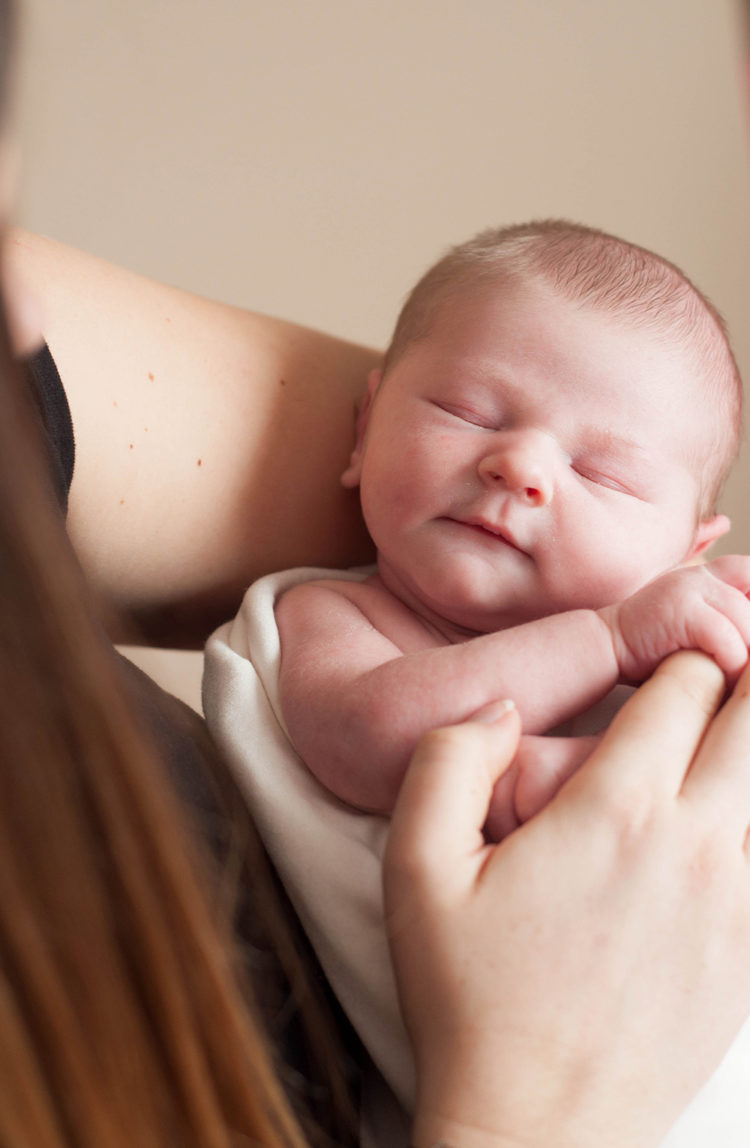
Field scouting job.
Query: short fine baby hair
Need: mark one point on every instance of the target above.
(599, 270)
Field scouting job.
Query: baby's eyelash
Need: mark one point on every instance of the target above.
(465, 414)
(589, 475)
(598, 479)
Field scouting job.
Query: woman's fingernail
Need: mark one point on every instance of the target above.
(493, 711)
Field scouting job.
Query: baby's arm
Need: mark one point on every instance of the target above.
(356, 700)
(358, 690)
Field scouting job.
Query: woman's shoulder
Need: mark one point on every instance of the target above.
(213, 407)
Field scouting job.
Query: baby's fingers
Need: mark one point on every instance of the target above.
(723, 632)
(734, 569)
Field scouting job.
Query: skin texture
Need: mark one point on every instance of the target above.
(446, 889)
(672, 821)
(583, 434)
(209, 440)
(524, 466)
(649, 842)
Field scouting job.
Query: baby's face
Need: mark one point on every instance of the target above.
(530, 456)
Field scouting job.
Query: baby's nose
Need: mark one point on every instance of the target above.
(523, 466)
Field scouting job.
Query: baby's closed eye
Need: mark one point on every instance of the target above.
(590, 473)
(466, 413)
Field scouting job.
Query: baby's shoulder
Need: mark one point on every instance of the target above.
(325, 594)
(343, 604)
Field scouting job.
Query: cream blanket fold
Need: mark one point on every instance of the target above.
(329, 855)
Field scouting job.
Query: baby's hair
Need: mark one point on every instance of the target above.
(590, 267)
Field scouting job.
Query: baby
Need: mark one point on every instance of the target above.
(554, 419)
(538, 459)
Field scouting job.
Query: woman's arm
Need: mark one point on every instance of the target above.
(209, 440)
(578, 983)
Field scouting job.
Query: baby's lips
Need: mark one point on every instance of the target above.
(499, 531)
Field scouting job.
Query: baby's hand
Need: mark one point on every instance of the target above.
(693, 608)
(540, 767)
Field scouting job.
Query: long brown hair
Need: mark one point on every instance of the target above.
(125, 1016)
(121, 1020)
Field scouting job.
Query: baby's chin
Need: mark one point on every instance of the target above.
(460, 616)
(461, 601)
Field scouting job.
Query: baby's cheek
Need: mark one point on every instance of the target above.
(599, 569)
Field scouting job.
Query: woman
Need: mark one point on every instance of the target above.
(124, 1017)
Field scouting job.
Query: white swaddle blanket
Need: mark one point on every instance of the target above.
(328, 856)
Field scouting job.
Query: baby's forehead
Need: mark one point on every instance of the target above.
(667, 362)
(459, 319)
(646, 296)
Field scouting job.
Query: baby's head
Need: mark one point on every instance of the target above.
(623, 282)
(553, 423)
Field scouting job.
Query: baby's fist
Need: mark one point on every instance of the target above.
(692, 608)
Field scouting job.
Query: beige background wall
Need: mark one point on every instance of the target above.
(308, 158)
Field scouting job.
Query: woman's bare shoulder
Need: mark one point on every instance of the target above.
(209, 439)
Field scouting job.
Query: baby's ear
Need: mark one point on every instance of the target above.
(709, 530)
(353, 473)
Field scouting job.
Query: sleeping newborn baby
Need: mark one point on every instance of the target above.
(539, 460)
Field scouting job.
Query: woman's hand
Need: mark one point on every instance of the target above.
(576, 984)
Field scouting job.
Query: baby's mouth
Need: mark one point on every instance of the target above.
(494, 530)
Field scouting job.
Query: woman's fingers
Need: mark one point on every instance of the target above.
(587, 921)
(720, 774)
(652, 741)
(443, 803)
